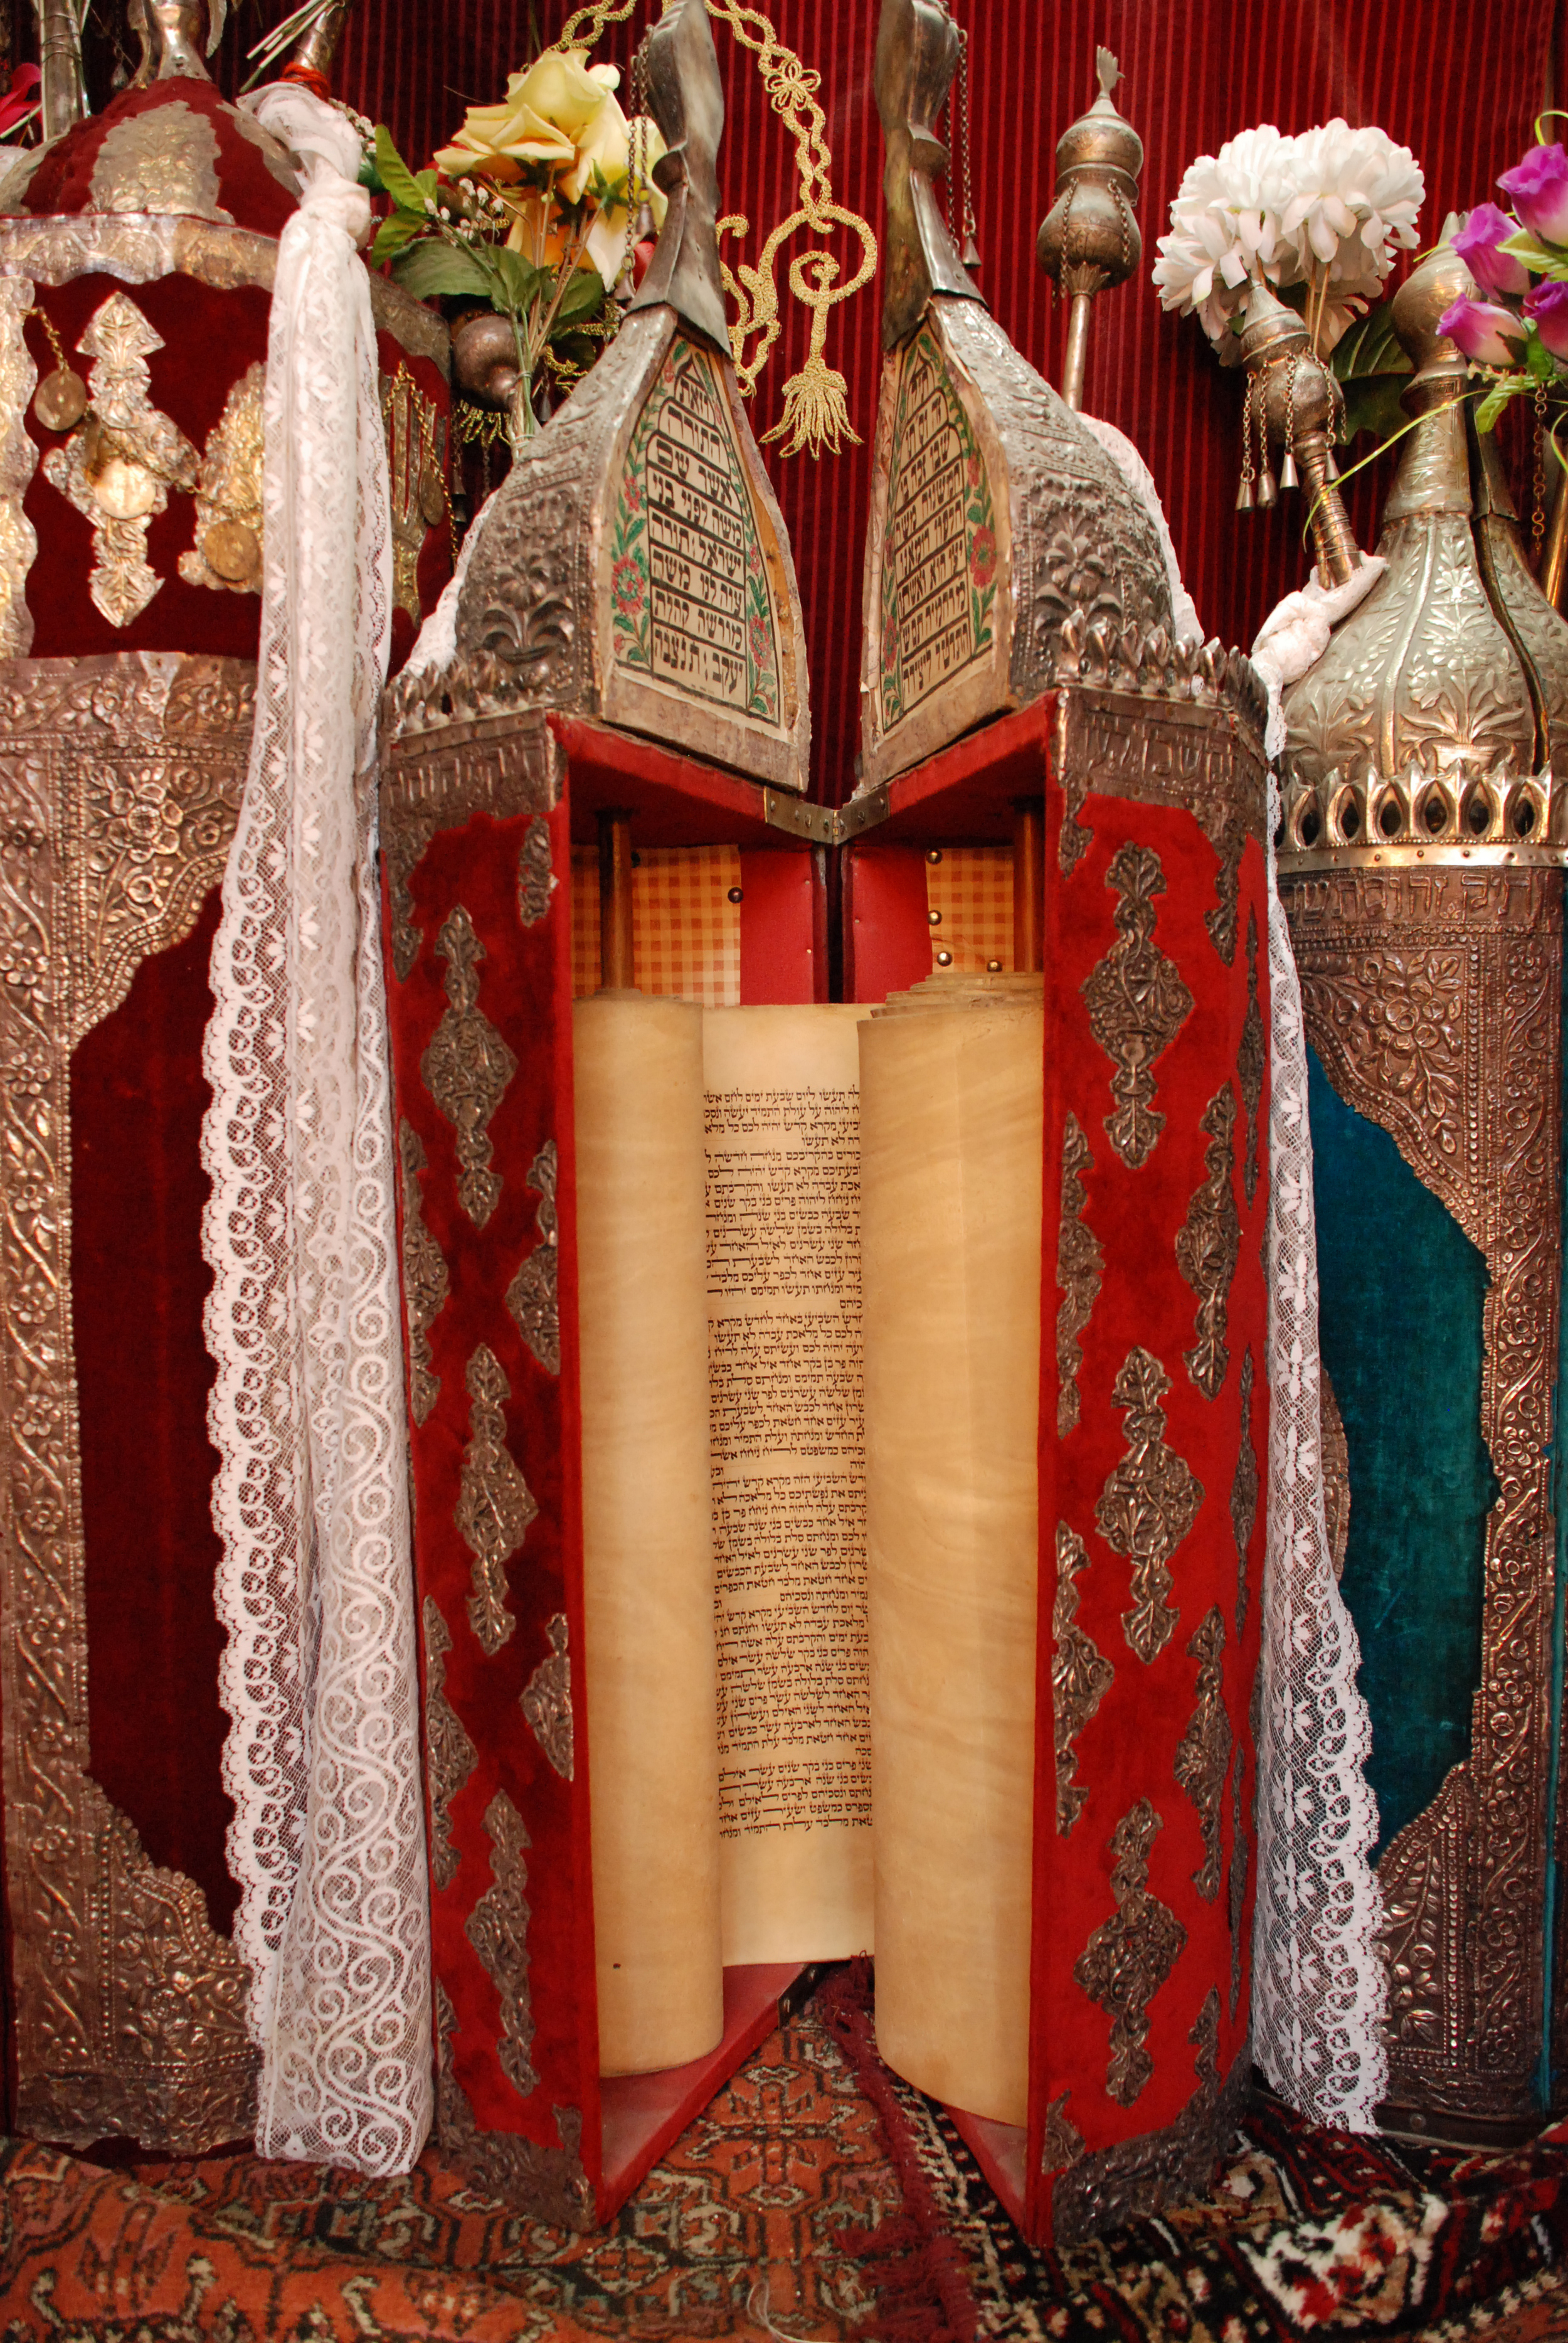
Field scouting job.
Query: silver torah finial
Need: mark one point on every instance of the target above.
(686, 97)
(918, 47)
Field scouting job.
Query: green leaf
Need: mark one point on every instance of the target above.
(395, 176)
(1497, 398)
(520, 281)
(370, 177)
(391, 236)
(1529, 249)
(583, 298)
(1370, 347)
(1539, 362)
(432, 267)
(1372, 404)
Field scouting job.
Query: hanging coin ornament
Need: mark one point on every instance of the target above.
(233, 550)
(432, 493)
(126, 489)
(60, 400)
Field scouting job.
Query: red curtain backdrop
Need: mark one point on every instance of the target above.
(1459, 85)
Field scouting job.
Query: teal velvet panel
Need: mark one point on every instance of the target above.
(1402, 1292)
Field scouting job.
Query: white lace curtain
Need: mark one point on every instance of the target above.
(315, 1586)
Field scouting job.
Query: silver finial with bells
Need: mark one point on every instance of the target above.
(1089, 239)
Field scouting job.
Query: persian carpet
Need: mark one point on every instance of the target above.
(818, 2199)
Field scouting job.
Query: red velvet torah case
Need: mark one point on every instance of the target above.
(1153, 1402)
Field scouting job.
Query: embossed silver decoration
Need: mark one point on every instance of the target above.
(495, 1504)
(119, 465)
(165, 160)
(226, 555)
(1173, 2166)
(1203, 1758)
(1063, 2142)
(498, 1929)
(535, 873)
(468, 1066)
(531, 1296)
(18, 462)
(449, 1755)
(1209, 1244)
(1137, 1004)
(1129, 1956)
(1195, 742)
(428, 785)
(544, 2184)
(1070, 545)
(1432, 1000)
(547, 1701)
(120, 781)
(1081, 1676)
(1079, 1272)
(135, 248)
(1147, 1505)
(556, 579)
(426, 1283)
(416, 476)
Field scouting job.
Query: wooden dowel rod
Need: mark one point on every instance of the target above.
(1029, 883)
(617, 967)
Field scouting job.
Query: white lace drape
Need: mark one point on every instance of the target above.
(315, 1586)
(1319, 1986)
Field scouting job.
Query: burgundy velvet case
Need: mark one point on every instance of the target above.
(1141, 1967)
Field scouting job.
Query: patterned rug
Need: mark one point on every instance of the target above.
(818, 2200)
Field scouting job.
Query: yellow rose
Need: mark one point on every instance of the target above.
(542, 119)
(607, 148)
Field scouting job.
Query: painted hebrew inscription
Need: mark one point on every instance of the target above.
(689, 597)
(939, 556)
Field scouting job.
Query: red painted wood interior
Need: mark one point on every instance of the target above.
(642, 2114)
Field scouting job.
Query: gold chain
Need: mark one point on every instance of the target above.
(815, 402)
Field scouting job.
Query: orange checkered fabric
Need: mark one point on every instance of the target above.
(971, 886)
(686, 932)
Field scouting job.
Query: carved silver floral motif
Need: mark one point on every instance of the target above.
(468, 1066)
(426, 1283)
(1203, 1757)
(164, 161)
(1063, 2142)
(498, 1929)
(1079, 1272)
(1209, 1244)
(531, 1296)
(536, 874)
(450, 1755)
(1148, 1504)
(1137, 1003)
(1081, 1676)
(495, 1505)
(543, 2184)
(1129, 1956)
(546, 1700)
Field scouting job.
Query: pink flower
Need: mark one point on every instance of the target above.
(1548, 306)
(1479, 328)
(1539, 186)
(982, 556)
(626, 585)
(1476, 245)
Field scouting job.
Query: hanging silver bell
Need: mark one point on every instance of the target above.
(1288, 469)
(1245, 500)
(1268, 489)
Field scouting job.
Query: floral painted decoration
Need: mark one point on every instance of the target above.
(530, 209)
(1323, 212)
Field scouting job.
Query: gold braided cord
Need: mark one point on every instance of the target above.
(816, 400)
